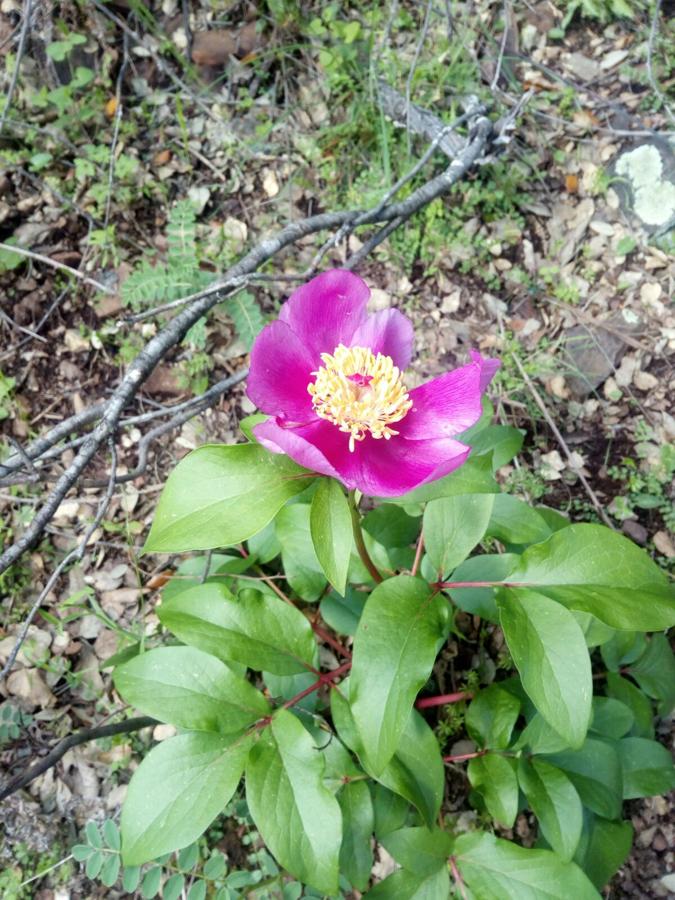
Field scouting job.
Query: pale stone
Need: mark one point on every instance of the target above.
(645, 381)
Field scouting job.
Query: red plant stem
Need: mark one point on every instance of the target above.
(326, 636)
(459, 881)
(326, 678)
(462, 756)
(444, 585)
(418, 554)
(443, 699)
(360, 543)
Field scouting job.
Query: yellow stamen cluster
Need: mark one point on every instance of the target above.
(360, 392)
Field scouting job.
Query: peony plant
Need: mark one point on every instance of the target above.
(358, 528)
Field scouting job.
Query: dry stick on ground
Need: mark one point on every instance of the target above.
(25, 25)
(464, 157)
(73, 740)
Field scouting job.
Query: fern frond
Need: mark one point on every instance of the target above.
(246, 315)
(180, 235)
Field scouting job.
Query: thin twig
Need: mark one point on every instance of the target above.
(73, 740)
(25, 24)
(75, 555)
(502, 47)
(85, 279)
(563, 443)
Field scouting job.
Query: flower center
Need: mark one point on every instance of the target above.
(360, 392)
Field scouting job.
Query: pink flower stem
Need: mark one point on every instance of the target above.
(360, 543)
(459, 881)
(443, 699)
(418, 554)
(462, 756)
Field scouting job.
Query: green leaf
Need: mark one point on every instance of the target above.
(624, 648)
(111, 834)
(514, 522)
(197, 891)
(391, 810)
(474, 477)
(487, 567)
(624, 690)
(94, 864)
(256, 629)
(401, 628)
(82, 852)
(491, 716)
(177, 791)
(595, 771)
(93, 835)
(452, 528)
(391, 526)
(555, 802)
(539, 737)
(151, 881)
(356, 855)
(404, 885)
(298, 818)
(188, 857)
(611, 718)
(331, 529)
(654, 671)
(131, 875)
(549, 651)
(110, 870)
(343, 613)
(594, 569)
(301, 564)
(190, 689)
(173, 887)
(603, 848)
(215, 867)
(494, 777)
(265, 544)
(416, 770)
(221, 495)
(495, 869)
(503, 440)
(419, 850)
(647, 768)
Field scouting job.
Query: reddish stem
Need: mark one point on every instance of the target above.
(462, 756)
(459, 881)
(443, 699)
(326, 678)
(444, 585)
(330, 640)
(418, 554)
(360, 543)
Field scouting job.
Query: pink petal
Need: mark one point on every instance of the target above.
(326, 311)
(488, 368)
(388, 332)
(378, 468)
(449, 404)
(281, 369)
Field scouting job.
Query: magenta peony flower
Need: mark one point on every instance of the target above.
(330, 377)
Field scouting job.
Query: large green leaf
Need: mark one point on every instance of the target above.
(256, 629)
(494, 777)
(604, 846)
(594, 569)
(188, 688)
(549, 651)
(491, 716)
(539, 737)
(474, 477)
(391, 526)
(647, 768)
(177, 791)
(416, 770)
(514, 522)
(611, 718)
(219, 495)
(503, 440)
(358, 823)
(400, 631)
(495, 869)
(331, 529)
(419, 850)
(654, 671)
(299, 819)
(624, 690)
(555, 802)
(452, 528)
(480, 601)
(403, 885)
(300, 562)
(595, 771)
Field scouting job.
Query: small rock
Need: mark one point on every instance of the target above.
(90, 627)
(106, 644)
(379, 299)
(28, 685)
(602, 228)
(663, 544)
(644, 381)
(162, 731)
(199, 197)
(34, 650)
(594, 351)
(75, 342)
(635, 531)
(659, 843)
(459, 748)
(213, 48)
(270, 183)
(551, 465)
(584, 68)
